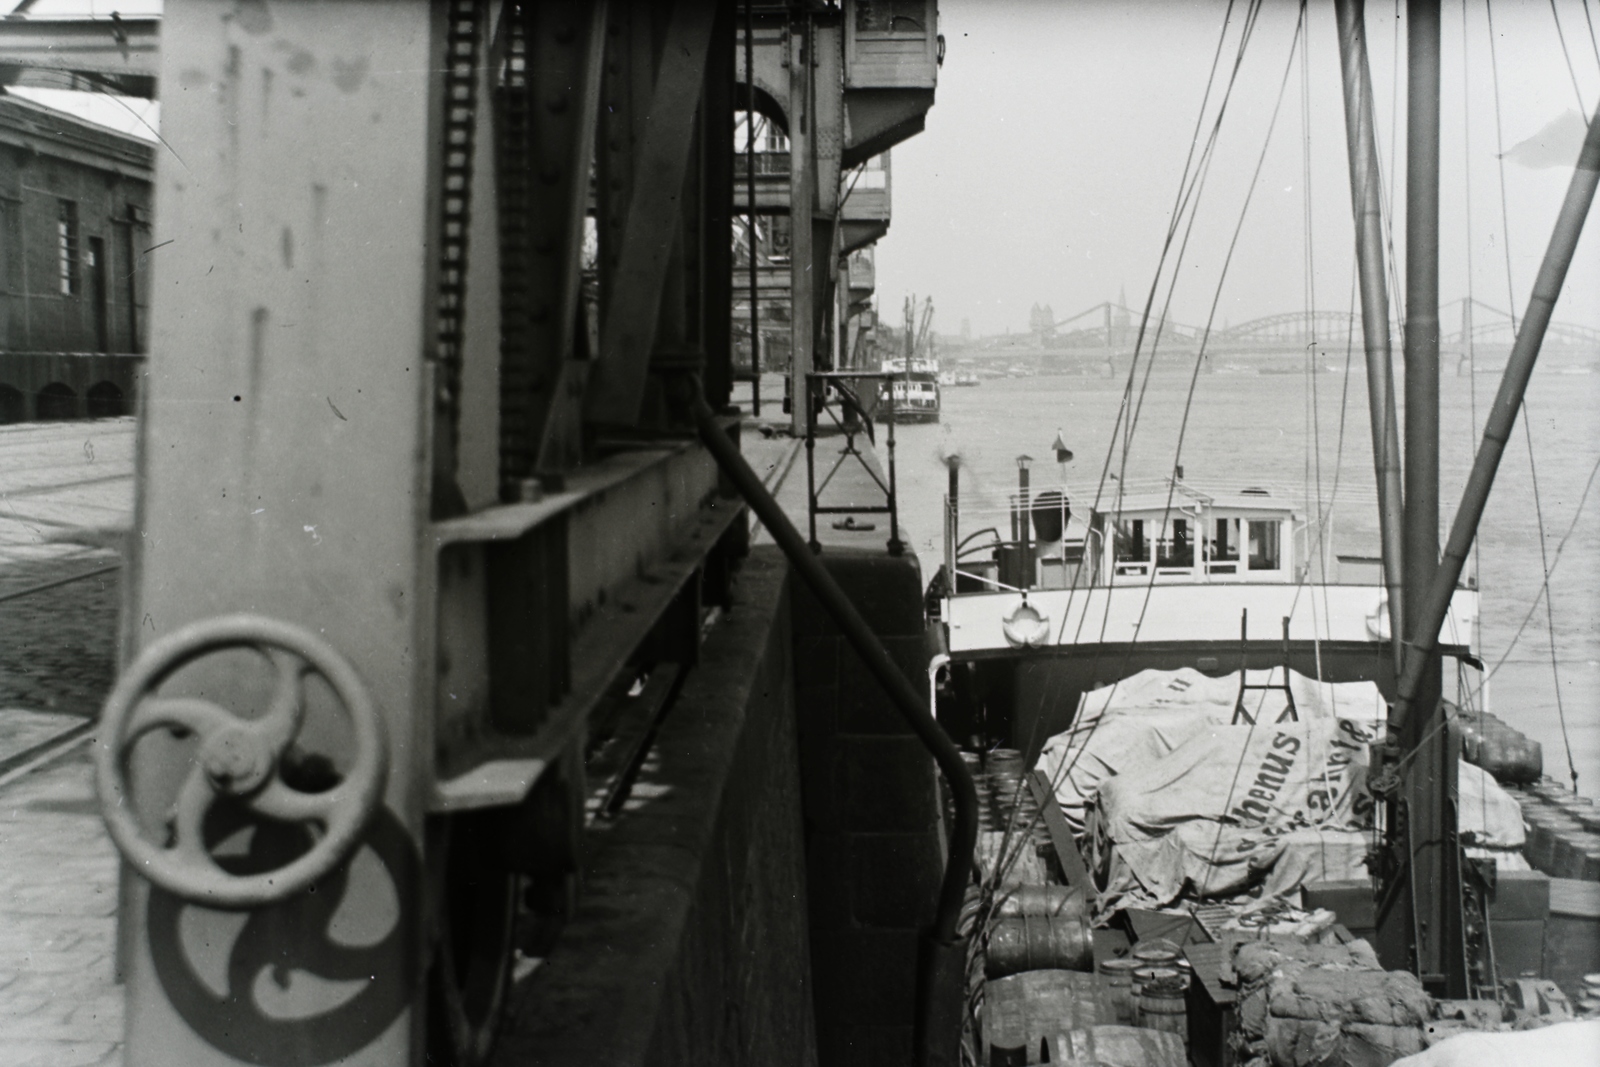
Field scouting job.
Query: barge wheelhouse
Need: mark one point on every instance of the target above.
(1155, 577)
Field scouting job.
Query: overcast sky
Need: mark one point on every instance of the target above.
(1050, 161)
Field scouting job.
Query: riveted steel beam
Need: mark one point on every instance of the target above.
(118, 54)
(638, 243)
(546, 115)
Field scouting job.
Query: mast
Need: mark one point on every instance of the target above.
(1420, 922)
(1421, 551)
(1366, 205)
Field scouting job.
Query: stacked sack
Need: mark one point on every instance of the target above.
(1324, 1005)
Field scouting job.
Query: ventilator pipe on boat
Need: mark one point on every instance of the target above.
(942, 969)
(952, 532)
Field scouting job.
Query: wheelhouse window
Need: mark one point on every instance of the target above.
(1225, 545)
(67, 240)
(1176, 550)
(1131, 544)
(1264, 545)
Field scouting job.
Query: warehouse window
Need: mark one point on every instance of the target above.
(67, 246)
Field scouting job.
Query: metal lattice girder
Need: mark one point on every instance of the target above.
(545, 117)
(634, 275)
(117, 54)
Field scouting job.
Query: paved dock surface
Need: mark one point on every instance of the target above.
(66, 489)
(60, 1005)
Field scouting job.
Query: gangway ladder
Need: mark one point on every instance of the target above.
(1290, 712)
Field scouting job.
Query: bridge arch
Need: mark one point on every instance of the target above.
(1294, 327)
(54, 402)
(105, 400)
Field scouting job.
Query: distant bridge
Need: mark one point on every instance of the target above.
(1113, 326)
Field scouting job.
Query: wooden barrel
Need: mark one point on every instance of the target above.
(1040, 900)
(1125, 1046)
(1157, 953)
(1039, 942)
(1118, 974)
(1544, 827)
(1161, 1003)
(1154, 977)
(1006, 761)
(1510, 756)
(1566, 858)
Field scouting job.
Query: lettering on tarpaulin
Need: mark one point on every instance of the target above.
(1269, 779)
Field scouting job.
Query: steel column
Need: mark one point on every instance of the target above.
(636, 269)
(1423, 811)
(802, 195)
(283, 469)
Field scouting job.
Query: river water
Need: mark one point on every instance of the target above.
(1248, 428)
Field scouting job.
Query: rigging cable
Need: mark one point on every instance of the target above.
(1193, 193)
(1571, 73)
(1594, 42)
(1185, 190)
(1313, 359)
(1554, 562)
(1194, 376)
(1538, 509)
(1183, 200)
(1188, 202)
(1199, 360)
(1549, 608)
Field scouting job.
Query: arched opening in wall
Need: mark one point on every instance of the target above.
(767, 108)
(56, 401)
(760, 159)
(13, 405)
(105, 401)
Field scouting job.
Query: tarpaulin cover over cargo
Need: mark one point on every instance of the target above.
(1142, 718)
(1176, 799)
(1235, 805)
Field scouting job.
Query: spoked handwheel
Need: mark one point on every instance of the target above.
(471, 973)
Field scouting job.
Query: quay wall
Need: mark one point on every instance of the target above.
(762, 897)
(875, 841)
(689, 942)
